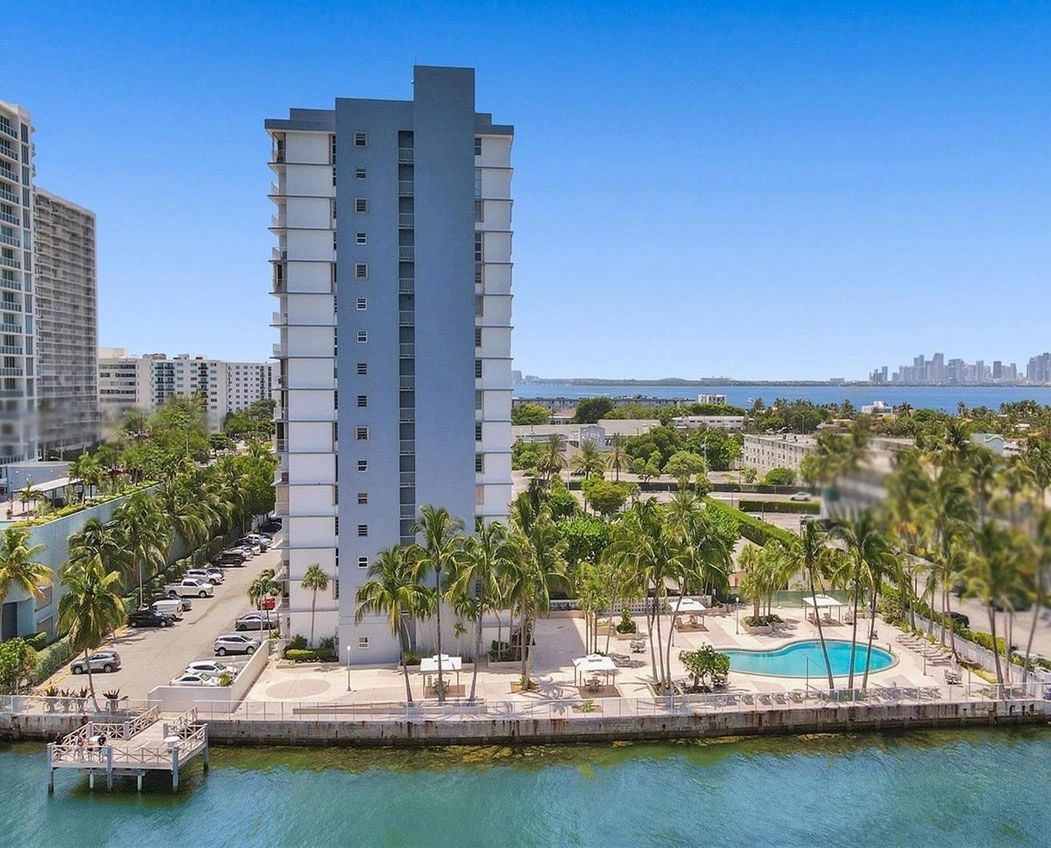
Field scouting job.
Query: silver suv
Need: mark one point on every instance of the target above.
(234, 643)
(105, 661)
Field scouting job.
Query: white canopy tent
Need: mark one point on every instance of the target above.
(592, 664)
(689, 607)
(821, 603)
(429, 665)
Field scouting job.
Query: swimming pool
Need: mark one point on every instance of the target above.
(799, 659)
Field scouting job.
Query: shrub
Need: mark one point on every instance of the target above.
(805, 507)
(627, 623)
(751, 528)
(762, 620)
(51, 658)
(38, 641)
(298, 643)
(301, 655)
(779, 477)
(410, 658)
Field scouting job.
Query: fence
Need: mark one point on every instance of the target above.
(571, 708)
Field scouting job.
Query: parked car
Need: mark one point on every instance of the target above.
(212, 575)
(185, 604)
(232, 557)
(271, 525)
(234, 643)
(250, 547)
(801, 496)
(255, 621)
(960, 618)
(105, 661)
(213, 668)
(169, 606)
(269, 602)
(190, 586)
(194, 680)
(149, 618)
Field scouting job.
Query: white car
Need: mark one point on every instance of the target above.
(800, 496)
(194, 680)
(211, 668)
(190, 586)
(212, 575)
(234, 643)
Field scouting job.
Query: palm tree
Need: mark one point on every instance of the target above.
(617, 455)
(392, 590)
(539, 548)
(869, 559)
(589, 460)
(441, 549)
(315, 580)
(553, 459)
(994, 577)
(18, 566)
(144, 531)
(264, 586)
(810, 555)
(487, 556)
(90, 608)
(101, 542)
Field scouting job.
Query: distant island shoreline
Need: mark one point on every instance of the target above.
(726, 381)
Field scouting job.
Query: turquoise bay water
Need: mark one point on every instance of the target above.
(802, 658)
(979, 788)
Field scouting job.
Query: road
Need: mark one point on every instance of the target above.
(152, 656)
(979, 620)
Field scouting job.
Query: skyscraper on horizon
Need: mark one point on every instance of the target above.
(393, 275)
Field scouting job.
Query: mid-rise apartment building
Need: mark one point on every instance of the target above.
(782, 450)
(392, 272)
(66, 324)
(17, 359)
(146, 383)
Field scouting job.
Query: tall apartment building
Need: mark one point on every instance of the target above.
(66, 324)
(393, 225)
(17, 385)
(146, 383)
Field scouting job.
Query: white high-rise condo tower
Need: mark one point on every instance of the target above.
(17, 388)
(393, 229)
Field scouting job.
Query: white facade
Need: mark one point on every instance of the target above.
(146, 382)
(765, 453)
(17, 361)
(66, 324)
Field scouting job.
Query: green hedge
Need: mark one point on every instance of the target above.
(51, 659)
(308, 655)
(893, 612)
(798, 507)
(750, 527)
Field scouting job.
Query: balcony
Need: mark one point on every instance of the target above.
(407, 416)
(406, 351)
(278, 319)
(278, 255)
(406, 253)
(277, 222)
(9, 130)
(10, 305)
(10, 263)
(8, 151)
(405, 154)
(407, 478)
(8, 195)
(12, 285)
(11, 240)
(10, 219)
(406, 220)
(280, 352)
(404, 188)
(11, 372)
(13, 350)
(7, 172)
(406, 318)
(406, 285)
(407, 447)
(406, 382)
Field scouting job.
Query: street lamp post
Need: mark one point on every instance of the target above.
(807, 673)
(737, 614)
(348, 668)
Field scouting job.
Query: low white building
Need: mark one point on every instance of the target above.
(733, 423)
(574, 435)
(766, 452)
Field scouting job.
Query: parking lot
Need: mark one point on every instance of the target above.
(152, 656)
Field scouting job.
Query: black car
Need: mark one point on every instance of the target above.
(149, 618)
(960, 618)
(231, 558)
(271, 526)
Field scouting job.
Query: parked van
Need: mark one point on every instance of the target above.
(172, 607)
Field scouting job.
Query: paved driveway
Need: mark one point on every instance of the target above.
(152, 656)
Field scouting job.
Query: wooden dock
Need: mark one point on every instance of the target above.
(130, 748)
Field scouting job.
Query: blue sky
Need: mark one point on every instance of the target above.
(767, 190)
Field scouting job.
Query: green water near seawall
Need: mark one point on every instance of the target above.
(981, 788)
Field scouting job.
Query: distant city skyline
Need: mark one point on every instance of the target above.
(939, 371)
(699, 189)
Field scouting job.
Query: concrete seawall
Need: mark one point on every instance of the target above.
(591, 728)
